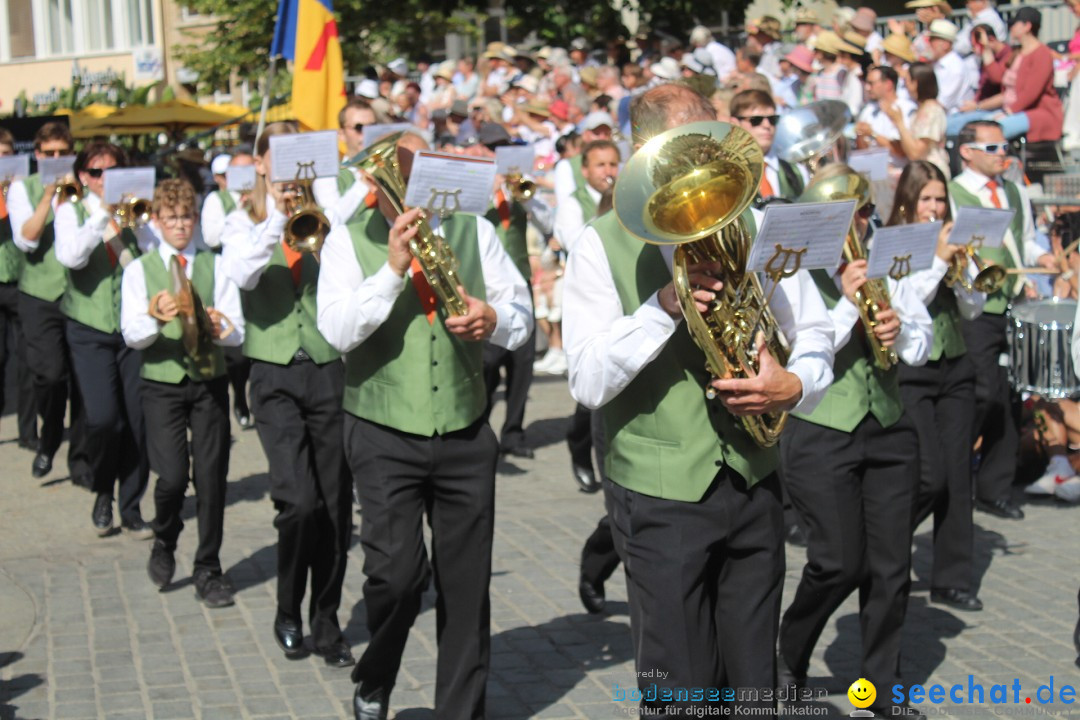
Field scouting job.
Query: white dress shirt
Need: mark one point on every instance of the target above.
(352, 306)
(916, 328)
(880, 123)
(565, 182)
(140, 330)
(570, 219)
(76, 243)
(19, 211)
(986, 16)
(212, 218)
(606, 348)
(954, 81)
(723, 58)
(1025, 251)
(772, 172)
(926, 283)
(339, 208)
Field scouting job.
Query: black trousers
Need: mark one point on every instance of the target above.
(108, 381)
(451, 479)
(704, 582)
(599, 557)
(583, 436)
(519, 377)
(856, 493)
(239, 368)
(13, 345)
(940, 399)
(170, 411)
(300, 424)
(995, 417)
(47, 356)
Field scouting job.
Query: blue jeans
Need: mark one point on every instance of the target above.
(1013, 125)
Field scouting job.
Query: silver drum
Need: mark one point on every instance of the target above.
(1040, 340)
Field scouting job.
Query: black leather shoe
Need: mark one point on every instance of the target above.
(956, 598)
(41, 466)
(212, 589)
(337, 655)
(519, 451)
(586, 478)
(795, 535)
(1002, 508)
(290, 638)
(243, 418)
(102, 515)
(374, 705)
(787, 679)
(592, 596)
(162, 564)
(1076, 636)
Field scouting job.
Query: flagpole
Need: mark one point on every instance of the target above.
(266, 95)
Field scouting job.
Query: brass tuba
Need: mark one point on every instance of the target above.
(688, 187)
(810, 133)
(873, 296)
(380, 162)
(307, 226)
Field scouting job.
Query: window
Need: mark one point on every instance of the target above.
(98, 25)
(140, 22)
(21, 28)
(60, 36)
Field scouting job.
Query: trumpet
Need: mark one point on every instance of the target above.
(4, 185)
(307, 226)
(132, 212)
(522, 189)
(989, 279)
(68, 191)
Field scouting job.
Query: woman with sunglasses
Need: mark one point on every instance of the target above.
(95, 249)
(940, 395)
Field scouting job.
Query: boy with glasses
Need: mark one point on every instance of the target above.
(982, 149)
(182, 390)
(755, 112)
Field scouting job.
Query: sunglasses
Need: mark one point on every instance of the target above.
(992, 148)
(358, 127)
(54, 153)
(756, 120)
(94, 172)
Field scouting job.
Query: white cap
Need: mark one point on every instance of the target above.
(666, 69)
(398, 66)
(943, 29)
(595, 119)
(368, 89)
(220, 164)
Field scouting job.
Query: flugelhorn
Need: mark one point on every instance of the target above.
(132, 212)
(688, 187)
(989, 278)
(307, 226)
(522, 189)
(68, 191)
(873, 296)
(380, 162)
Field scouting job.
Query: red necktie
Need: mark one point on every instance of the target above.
(766, 188)
(294, 260)
(994, 199)
(112, 254)
(179, 258)
(428, 300)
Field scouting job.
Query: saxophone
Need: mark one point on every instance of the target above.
(688, 187)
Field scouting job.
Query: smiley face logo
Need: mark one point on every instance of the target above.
(862, 693)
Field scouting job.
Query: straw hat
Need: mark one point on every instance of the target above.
(829, 42)
(900, 46)
(805, 16)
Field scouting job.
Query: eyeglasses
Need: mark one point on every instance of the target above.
(95, 172)
(756, 120)
(174, 220)
(992, 148)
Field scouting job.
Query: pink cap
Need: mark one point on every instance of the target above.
(802, 58)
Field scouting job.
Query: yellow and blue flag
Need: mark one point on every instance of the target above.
(307, 34)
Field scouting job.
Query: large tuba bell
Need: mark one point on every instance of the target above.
(808, 134)
(873, 296)
(307, 226)
(688, 187)
(380, 162)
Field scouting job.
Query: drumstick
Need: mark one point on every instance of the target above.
(1031, 271)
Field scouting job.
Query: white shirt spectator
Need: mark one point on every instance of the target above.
(986, 16)
(954, 81)
(723, 58)
(873, 115)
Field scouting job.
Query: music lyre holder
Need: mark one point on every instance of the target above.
(447, 201)
(901, 267)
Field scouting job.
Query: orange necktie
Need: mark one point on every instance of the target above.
(766, 188)
(428, 300)
(179, 258)
(992, 186)
(294, 260)
(503, 208)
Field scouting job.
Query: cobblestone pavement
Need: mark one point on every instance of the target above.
(83, 633)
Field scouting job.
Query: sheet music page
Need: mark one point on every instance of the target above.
(375, 133)
(509, 157)
(289, 152)
(872, 162)
(451, 183)
(53, 169)
(14, 167)
(129, 182)
(902, 249)
(816, 229)
(240, 178)
(985, 227)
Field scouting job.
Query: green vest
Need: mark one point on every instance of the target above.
(93, 292)
(585, 200)
(227, 202)
(791, 182)
(166, 360)
(512, 237)
(281, 318)
(945, 313)
(345, 180)
(412, 375)
(997, 303)
(664, 438)
(859, 387)
(43, 276)
(575, 165)
(11, 257)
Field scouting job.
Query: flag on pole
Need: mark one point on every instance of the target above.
(307, 34)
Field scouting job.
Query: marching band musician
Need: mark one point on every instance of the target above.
(755, 112)
(182, 392)
(696, 515)
(940, 395)
(41, 285)
(849, 467)
(415, 438)
(297, 381)
(983, 149)
(95, 250)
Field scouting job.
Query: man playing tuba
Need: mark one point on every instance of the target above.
(694, 501)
